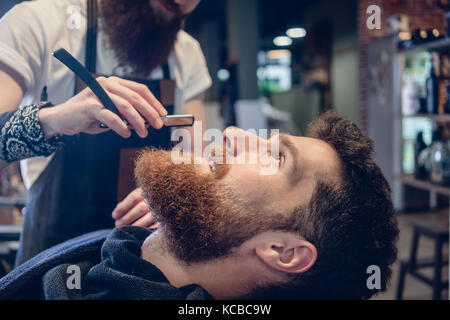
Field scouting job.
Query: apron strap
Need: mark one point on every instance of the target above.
(91, 36)
(166, 71)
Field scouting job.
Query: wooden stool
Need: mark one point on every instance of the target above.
(435, 228)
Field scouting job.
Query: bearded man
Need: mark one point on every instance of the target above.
(311, 230)
(144, 60)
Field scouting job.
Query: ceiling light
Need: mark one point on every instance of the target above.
(223, 75)
(282, 41)
(296, 32)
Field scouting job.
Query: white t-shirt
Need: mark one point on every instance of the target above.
(31, 31)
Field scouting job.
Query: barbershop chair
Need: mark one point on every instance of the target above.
(9, 237)
(435, 228)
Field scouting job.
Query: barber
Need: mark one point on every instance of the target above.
(149, 67)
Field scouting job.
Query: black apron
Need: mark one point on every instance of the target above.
(78, 190)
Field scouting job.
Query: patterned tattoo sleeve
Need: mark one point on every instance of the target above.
(22, 137)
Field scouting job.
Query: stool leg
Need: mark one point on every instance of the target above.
(437, 270)
(413, 255)
(401, 281)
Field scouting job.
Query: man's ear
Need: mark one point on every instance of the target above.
(287, 253)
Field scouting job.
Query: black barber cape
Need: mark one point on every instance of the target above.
(110, 266)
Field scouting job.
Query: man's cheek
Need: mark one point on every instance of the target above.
(248, 185)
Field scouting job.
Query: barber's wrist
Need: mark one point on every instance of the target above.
(51, 124)
(48, 119)
(22, 136)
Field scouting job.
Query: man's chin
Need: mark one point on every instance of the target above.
(164, 17)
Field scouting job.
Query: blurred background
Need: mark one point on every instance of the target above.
(278, 64)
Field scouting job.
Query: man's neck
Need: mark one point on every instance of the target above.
(230, 284)
(155, 251)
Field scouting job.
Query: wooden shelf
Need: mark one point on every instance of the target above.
(9, 202)
(432, 45)
(423, 184)
(437, 117)
(10, 232)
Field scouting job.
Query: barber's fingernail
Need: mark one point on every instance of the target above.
(127, 133)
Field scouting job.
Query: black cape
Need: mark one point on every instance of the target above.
(110, 267)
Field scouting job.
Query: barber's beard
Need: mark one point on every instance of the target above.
(140, 37)
(201, 218)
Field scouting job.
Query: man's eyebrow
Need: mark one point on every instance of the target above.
(295, 173)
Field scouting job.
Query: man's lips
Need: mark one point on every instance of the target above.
(216, 157)
(212, 166)
(211, 160)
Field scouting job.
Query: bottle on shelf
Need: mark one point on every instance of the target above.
(447, 100)
(432, 90)
(439, 159)
(420, 171)
(410, 98)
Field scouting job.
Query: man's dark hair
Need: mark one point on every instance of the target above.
(351, 222)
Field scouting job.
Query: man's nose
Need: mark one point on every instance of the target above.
(237, 140)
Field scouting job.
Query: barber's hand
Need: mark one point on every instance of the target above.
(84, 112)
(134, 210)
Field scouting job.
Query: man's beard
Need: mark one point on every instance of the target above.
(140, 37)
(201, 218)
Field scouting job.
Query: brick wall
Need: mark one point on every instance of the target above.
(422, 14)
